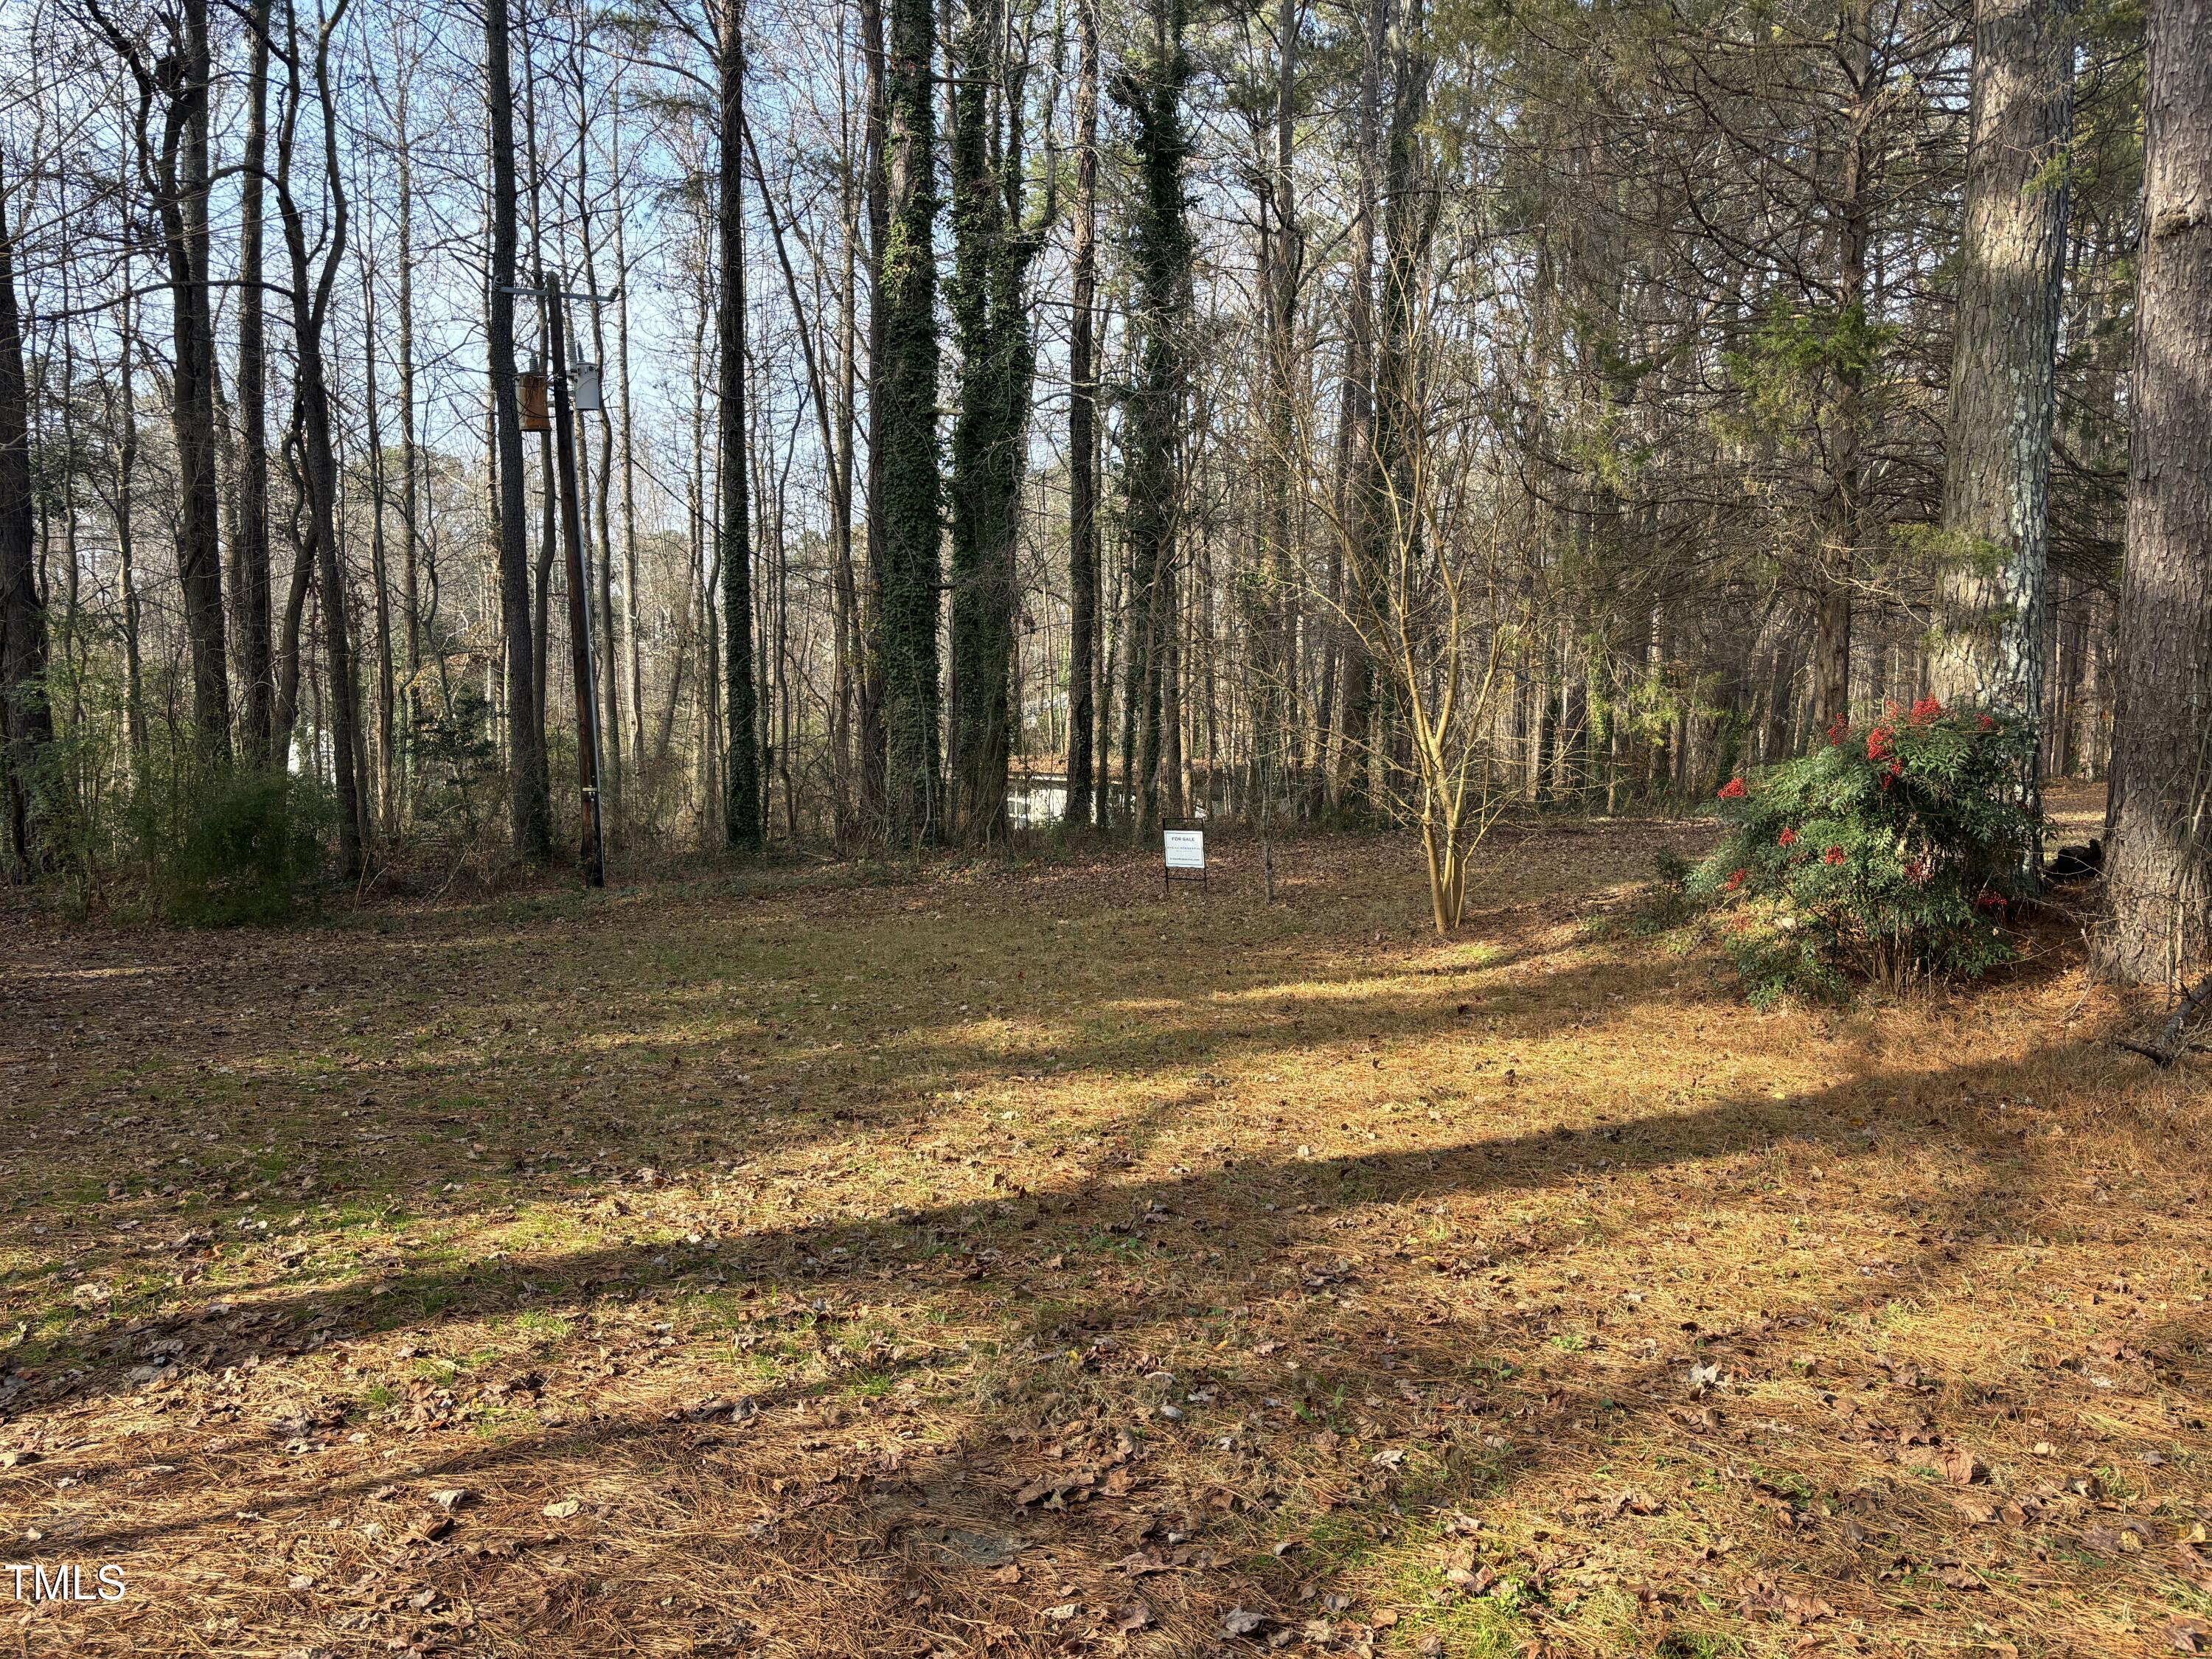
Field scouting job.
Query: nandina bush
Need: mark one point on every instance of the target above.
(1892, 851)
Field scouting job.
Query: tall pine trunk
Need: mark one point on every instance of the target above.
(2159, 864)
(1996, 489)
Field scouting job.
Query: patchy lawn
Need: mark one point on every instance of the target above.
(1022, 1262)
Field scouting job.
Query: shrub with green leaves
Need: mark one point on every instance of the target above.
(227, 847)
(1893, 850)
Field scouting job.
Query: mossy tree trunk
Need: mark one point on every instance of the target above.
(908, 486)
(1084, 629)
(1151, 88)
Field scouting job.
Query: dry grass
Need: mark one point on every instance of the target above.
(1019, 1262)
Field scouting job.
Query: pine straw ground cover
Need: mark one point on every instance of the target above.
(1018, 1261)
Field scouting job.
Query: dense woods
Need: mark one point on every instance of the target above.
(877, 424)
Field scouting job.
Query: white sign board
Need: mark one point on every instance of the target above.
(1186, 848)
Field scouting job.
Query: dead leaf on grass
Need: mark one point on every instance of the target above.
(1958, 1465)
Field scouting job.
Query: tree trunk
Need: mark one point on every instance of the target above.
(2159, 860)
(1084, 631)
(388, 746)
(25, 721)
(908, 483)
(529, 786)
(632, 635)
(1996, 491)
(1152, 90)
(742, 828)
(989, 302)
(411, 573)
(257, 668)
(1846, 512)
(1355, 505)
(1272, 693)
(876, 192)
(319, 469)
(591, 854)
(199, 551)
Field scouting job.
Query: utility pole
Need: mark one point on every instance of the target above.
(583, 660)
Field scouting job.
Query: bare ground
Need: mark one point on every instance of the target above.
(1019, 1260)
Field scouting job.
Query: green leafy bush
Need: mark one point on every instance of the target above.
(225, 848)
(1892, 850)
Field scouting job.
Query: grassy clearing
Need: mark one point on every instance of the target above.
(1022, 1262)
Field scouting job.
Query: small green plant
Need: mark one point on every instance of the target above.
(1892, 851)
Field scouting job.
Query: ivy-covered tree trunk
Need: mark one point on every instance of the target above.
(741, 777)
(1084, 668)
(1151, 88)
(990, 313)
(908, 485)
(2159, 869)
(1996, 489)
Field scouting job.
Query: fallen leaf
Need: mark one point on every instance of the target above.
(1134, 1617)
(1960, 1466)
(1241, 1621)
(561, 1508)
